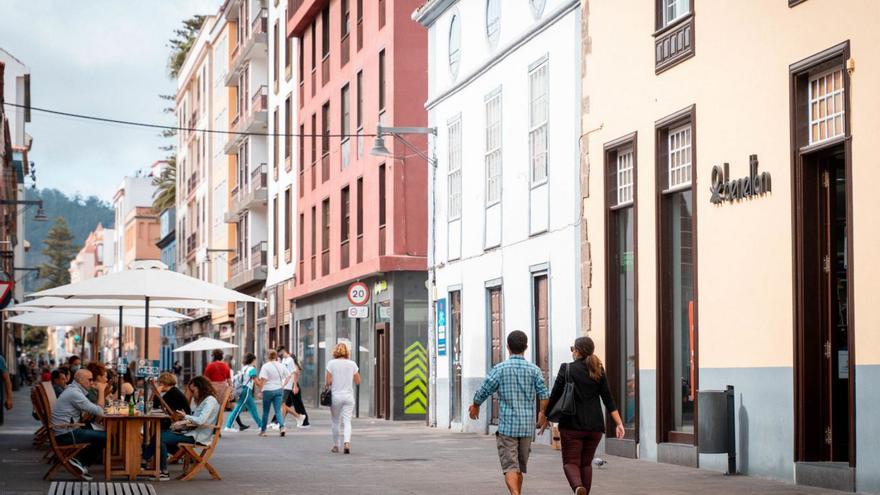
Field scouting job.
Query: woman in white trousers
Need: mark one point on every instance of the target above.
(341, 377)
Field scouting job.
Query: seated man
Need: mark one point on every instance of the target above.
(69, 408)
(59, 381)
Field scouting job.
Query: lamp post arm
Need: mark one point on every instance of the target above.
(414, 149)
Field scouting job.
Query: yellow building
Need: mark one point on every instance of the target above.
(727, 166)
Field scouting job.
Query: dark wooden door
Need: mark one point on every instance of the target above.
(542, 326)
(382, 372)
(496, 332)
(455, 363)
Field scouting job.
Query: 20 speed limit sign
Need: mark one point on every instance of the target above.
(358, 293)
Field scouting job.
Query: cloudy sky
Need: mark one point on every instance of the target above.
(97, 57)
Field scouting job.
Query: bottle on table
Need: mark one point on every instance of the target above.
(131, 406)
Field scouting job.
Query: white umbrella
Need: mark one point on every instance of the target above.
(205, 344)
(103, 312)
(72, 302)
(146, 280)
(80, 320)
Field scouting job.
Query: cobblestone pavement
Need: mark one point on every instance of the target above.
(387, 458)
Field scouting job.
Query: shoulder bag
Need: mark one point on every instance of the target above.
(565, 405)
(326, 397)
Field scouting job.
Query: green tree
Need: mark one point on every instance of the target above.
(180, 44)
(166, 186)
(35, 337)
(59, 249)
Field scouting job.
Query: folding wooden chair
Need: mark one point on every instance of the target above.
(41, 436)
(199, 460)
(62, 454)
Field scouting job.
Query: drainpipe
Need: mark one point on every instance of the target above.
(431, 419)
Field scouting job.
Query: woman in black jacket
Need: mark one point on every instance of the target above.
(581, 432)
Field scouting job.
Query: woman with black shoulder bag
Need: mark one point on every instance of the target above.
(574, 403)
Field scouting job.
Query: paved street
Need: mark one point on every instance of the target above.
(388, 458)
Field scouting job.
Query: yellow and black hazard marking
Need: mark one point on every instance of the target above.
(415, 379)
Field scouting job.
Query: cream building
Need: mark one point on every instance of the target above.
(727, 164)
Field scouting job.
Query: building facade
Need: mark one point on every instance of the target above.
(167, 245)
(282, 154)
(132, 206)
(727, 173)
(95, 259)
(506, 192)
(360, 218)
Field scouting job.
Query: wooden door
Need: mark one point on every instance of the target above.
(496, 332)
(382, 371)
(542, 326)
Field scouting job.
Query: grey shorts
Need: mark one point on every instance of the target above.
(513, 452)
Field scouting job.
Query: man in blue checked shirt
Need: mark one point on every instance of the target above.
(518, 383)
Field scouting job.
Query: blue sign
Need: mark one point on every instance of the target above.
(441, 327)
(122, 365)
(147, 368)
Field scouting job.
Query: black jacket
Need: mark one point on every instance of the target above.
(589, 416)
(176, 400)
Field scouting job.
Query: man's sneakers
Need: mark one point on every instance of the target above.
(82, 469)
(164, 476)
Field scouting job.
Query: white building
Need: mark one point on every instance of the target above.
(282, 155)
(132, 192)
(504, 86)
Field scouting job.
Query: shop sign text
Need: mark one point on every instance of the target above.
(724, 189)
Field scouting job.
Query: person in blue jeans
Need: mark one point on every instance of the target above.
(197, 427)
(246, 400)
(273, 376)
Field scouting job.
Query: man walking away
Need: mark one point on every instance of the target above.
(518, 383)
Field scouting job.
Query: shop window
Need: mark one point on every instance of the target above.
(621, 278)
(677, 289)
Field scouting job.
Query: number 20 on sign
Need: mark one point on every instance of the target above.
(358, 294)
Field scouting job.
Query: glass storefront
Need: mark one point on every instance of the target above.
(682, 294)
(626, 386)
(307, 351)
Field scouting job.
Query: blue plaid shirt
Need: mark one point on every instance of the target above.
(518, 383)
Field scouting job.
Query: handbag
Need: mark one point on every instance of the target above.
(565, 405)
(326, 397)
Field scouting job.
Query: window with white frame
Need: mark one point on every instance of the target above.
(454, 45)
(679, 142)
(539, 109)
(493, 20)
(493, 147)
(454, 178)
(624, 176)
(220, 137)
(674, 10)
(826, 97)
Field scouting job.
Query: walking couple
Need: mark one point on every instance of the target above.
(519, 383)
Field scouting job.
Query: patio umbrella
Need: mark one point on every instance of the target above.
(205, 344)
(40, 319)
(143, 281)
(103, 312)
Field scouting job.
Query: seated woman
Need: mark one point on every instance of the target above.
(197, 427)
(166, 384)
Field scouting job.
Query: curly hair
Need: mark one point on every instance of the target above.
(341, 351)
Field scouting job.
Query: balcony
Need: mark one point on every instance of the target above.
(249, 270)
(191, 244)
(299, 14)
(252, 194)
(191, 183)
(251, 46)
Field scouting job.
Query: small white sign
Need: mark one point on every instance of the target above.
(358, 311)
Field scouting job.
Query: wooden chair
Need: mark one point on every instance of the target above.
(199, 460)
(62, 454)
(41, 436)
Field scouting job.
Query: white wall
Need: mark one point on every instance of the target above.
(485, 67)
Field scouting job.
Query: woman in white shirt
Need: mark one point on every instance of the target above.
(273, 376)
(341, 377)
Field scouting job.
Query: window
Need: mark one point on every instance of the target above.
(674, 10)
(454, 177)
(314, 35)
(359, 219)
(275, 231)
(345, 116)
(221, 60)
(345, 222)
(325, 237)
(381, 4)
(382, 195)
(288, 232)
(677, 275)
(346, 14)
(826, 110)
(620, 279)
(381, 80)
(275, 143)
(454, 45)
(679, 147)
(325, 32)
(359, 109)
(302, 159)
(493, 21)
(360, 24)
(314, 147)
(288, 130)
(276, 47)
(288, 52)
(539, 109)
(325, 142)
(537, 7)
(314, 251)
(492, 156)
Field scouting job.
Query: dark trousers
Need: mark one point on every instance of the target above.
(298, 405)
(169, 439)
(96, 440)
(578, 448)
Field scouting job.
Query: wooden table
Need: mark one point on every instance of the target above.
(125, 435)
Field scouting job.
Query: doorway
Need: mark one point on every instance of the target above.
(824, 335)
(455, 361)
(382, 371)
(496, 350)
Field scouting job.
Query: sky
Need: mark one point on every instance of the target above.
(106, 58)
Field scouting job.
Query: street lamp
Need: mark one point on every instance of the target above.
(379, 149)
(39, 217)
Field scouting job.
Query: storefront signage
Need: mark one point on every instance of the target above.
(121, 365)
(358, 294)
(358, 311)
(148, 368)
(441, 327)
(724, 189)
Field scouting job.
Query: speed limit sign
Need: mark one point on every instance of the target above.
(358, 293)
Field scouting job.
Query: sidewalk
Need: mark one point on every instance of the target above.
(387, 458)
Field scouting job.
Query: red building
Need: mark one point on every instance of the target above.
(361, 217)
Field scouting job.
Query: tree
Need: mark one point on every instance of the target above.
(35, 337)
(59, 250)
(180, 44)
(166, 186)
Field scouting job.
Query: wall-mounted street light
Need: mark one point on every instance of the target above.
(379, 148)
(39, 217)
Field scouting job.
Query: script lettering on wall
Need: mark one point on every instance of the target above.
(724, 189)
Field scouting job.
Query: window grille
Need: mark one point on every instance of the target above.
(625, 176)
(454, 178)
(680, 156)
(493, 148)
(539, 108)
(826, 98)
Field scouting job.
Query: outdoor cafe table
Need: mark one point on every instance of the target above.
(125, 436)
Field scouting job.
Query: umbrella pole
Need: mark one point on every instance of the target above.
(119, 357)
(95, 352)
(146, 345)
(82, 352)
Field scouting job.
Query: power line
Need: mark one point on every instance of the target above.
(176, 128)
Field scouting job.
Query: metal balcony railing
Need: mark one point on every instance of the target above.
(260, 25)
(258, 177)
(260, 100)
(259, 254)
